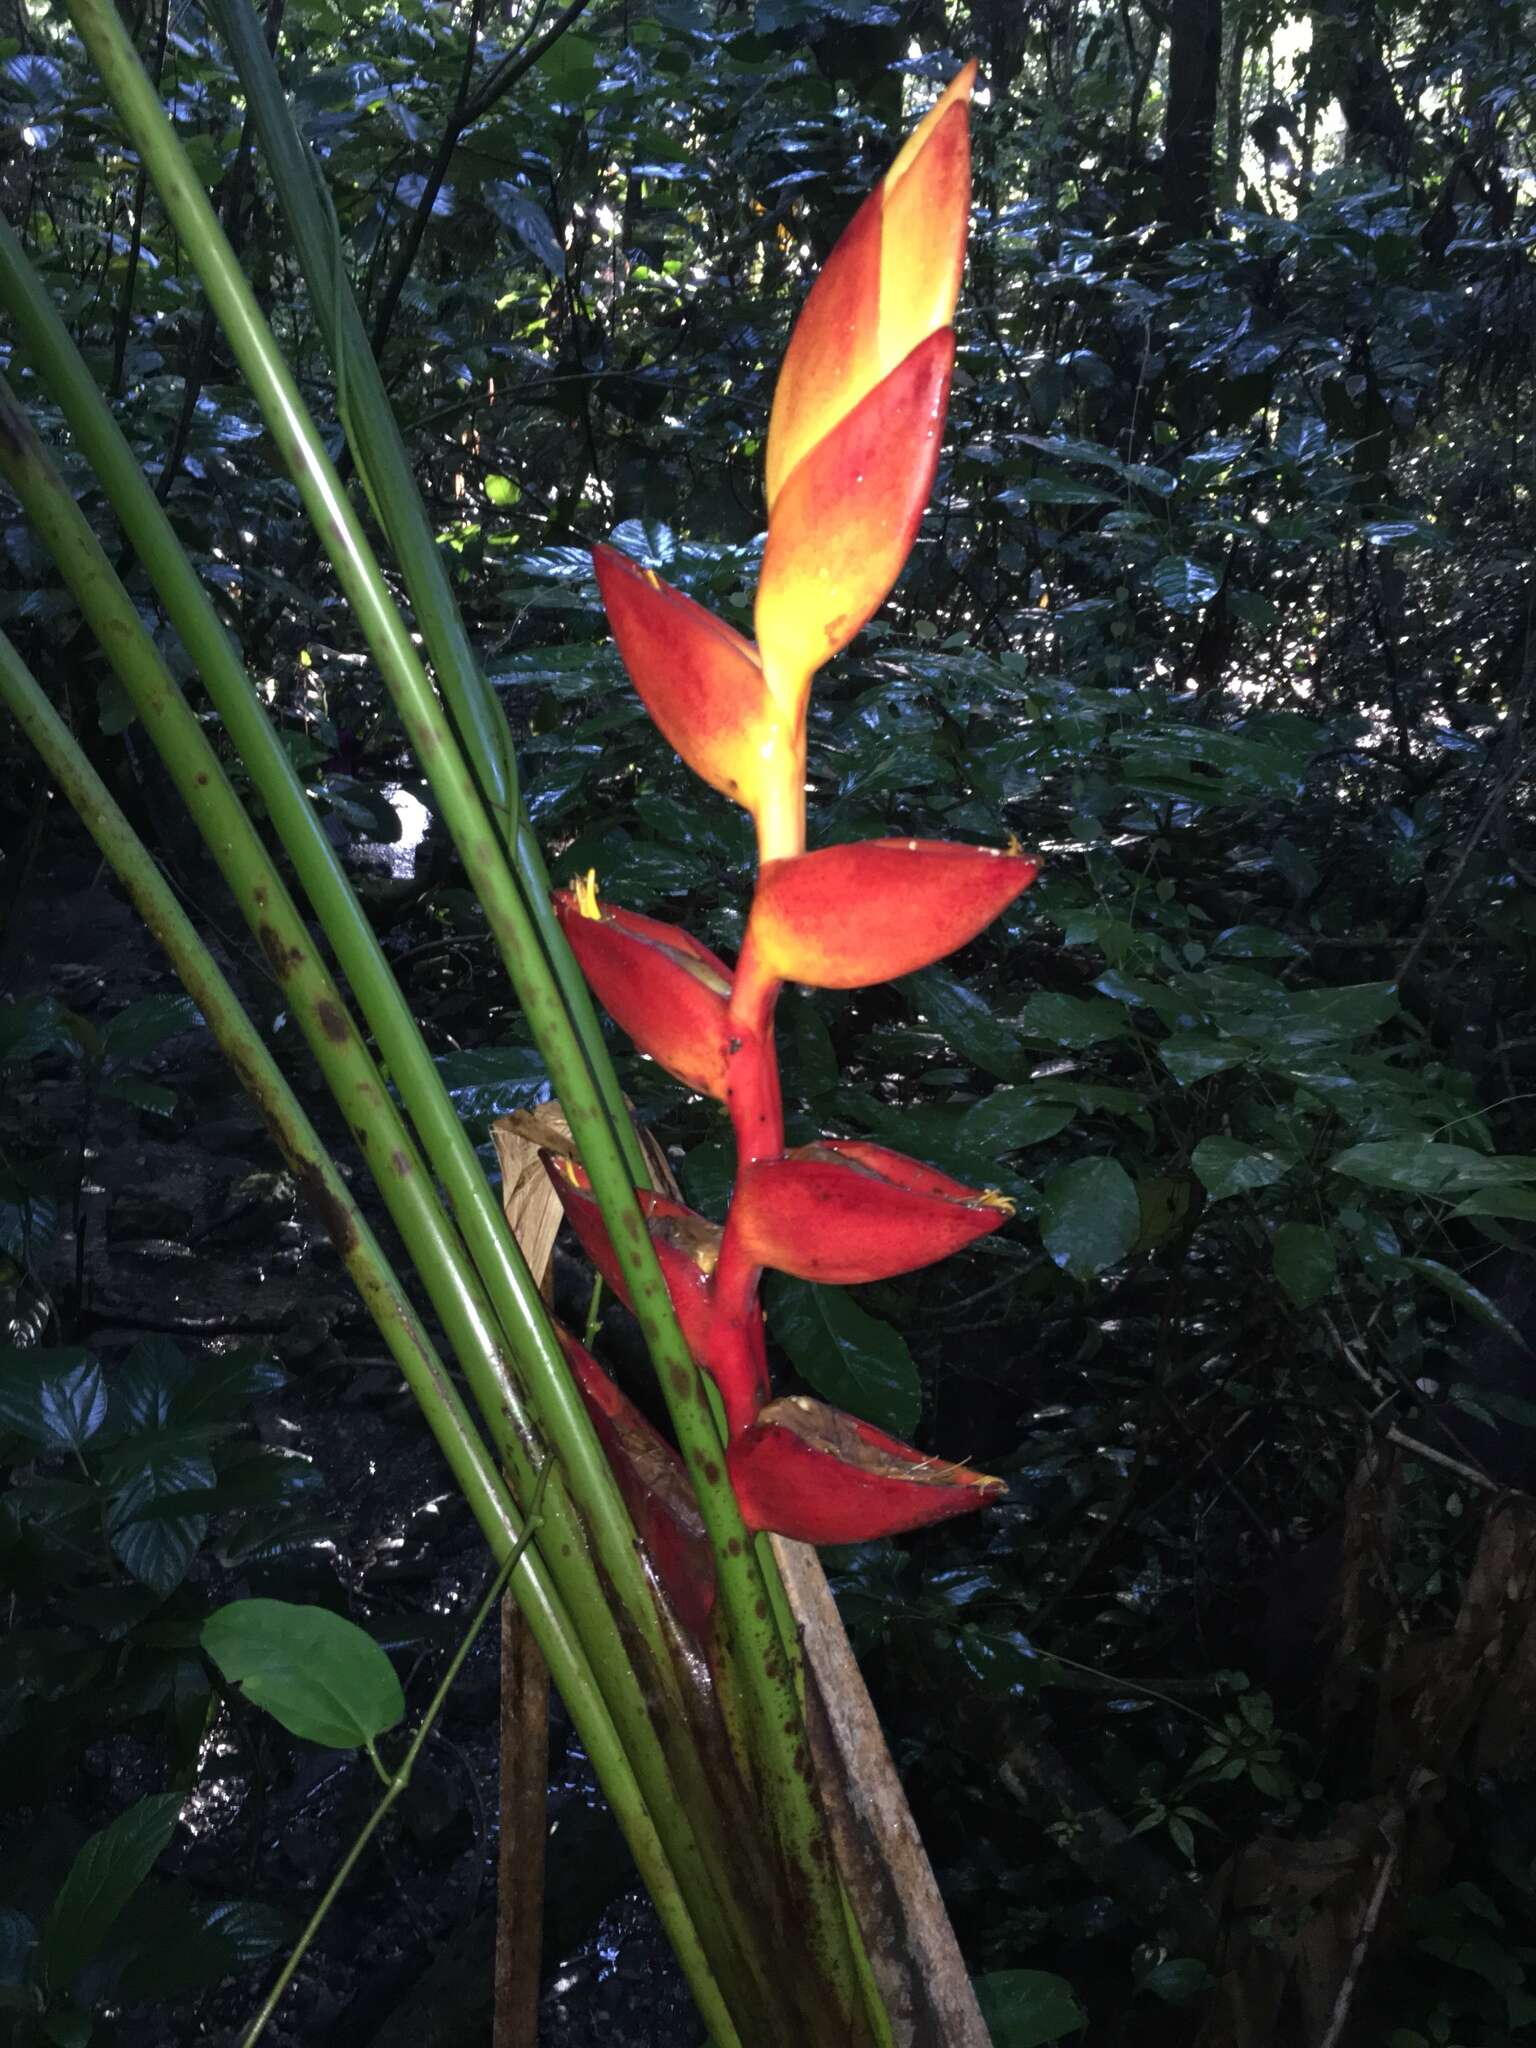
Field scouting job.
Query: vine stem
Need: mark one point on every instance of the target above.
(396, 1782)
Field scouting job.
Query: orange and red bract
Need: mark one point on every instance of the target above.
(810, 1472)
(687, 1247)
(845, 521)
(844, 1213)
(658, 984)
(891, 281)
(853, 446)
(700, 680)
(847, 916)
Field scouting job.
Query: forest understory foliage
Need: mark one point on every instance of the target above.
(1218, 1725)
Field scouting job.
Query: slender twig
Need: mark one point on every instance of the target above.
(1339, 2018)
(1431, 1456)
(469, 109)
(1473, 1474)
(396, 1782)
(1514, 721)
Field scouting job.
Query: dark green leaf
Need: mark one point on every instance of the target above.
(1176, 1980)
(103, 1878)
(1028, 2008)
(1089, 1216)
(1181, 584)
(18, 1938)
(1424, 1166)
(1462, 1292)
(1075, 1021)
(968, 1023)
(1228, 1167)
(54, 1398)
(1002, 1660)
(146, 1024)
(155, 1537)
(1306, 1262)
(1192, 1056)
(848, 1357)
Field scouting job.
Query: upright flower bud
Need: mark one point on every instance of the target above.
(853, 440)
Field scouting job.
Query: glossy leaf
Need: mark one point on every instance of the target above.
(1306, 1262)
(55, 1398)
(1028, 2008)
(849, 1357)
(1226, 1167)
(1089, 1216)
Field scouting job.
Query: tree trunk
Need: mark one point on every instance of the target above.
(1189, 128)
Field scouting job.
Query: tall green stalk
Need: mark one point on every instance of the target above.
(373, 435)
(669, 1769)
(467, 1456)
(754, 1668)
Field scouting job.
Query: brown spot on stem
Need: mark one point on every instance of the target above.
(399, 1164)
(711, 1472)
(681, 1381)
(201, 778)
(333, 1021)
(13, 432)
(280, 958)
(332, 1211)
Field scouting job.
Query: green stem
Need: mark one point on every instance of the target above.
(396, 1782)
(373, 435)
(420, 1365)
(432, 740)
(751, 1659)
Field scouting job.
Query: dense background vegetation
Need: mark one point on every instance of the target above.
(1226, 604)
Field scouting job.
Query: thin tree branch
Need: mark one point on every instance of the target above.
(467, 110)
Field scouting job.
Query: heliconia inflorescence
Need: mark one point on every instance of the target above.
(853, 445)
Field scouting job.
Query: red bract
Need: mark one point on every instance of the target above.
(844, 1212)
(658, 984)
(851, 915)
(701, 681)
(655, 1489)
(812, 1473)
(687, 1250)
